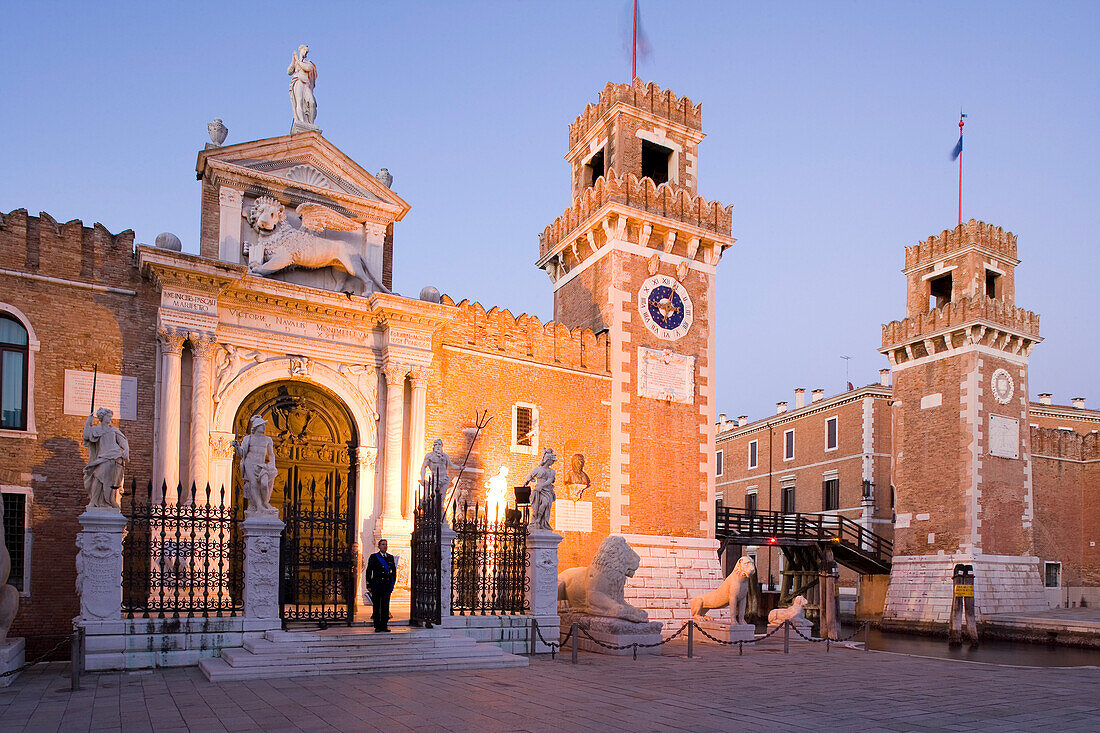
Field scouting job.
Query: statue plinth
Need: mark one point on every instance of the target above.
(261, 531)
(99, 564)
(12, 656)
(614, 632)
(297, 127)
(723, 630)
(542, 583)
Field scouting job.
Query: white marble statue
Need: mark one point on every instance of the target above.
(232, 360)
(733, 592)
(284, 246)
(542, 495)
(436, 464)
(257, 452)
(108, 452)
(496, 494)
(795, 613)
(9, 594)
(303, 77)
(598, 589)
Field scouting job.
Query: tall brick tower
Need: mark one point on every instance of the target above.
(636, 256)
(962, 452)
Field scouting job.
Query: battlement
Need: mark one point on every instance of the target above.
(958, 313)
(964, 235)
(645, 96)
(497, 331)
(667, 200)
(1065, 444)
(42, 246)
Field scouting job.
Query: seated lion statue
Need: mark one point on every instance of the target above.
(734, 592)
(795, 613)
(597, 589)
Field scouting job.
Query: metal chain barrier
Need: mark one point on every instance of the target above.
(66, 639)
(634, 646)
(850, 636)
(555, 646)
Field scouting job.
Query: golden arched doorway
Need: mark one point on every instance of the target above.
(315, 447)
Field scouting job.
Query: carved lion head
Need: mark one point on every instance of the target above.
(616, 556)
(745, 567)
(266, 214)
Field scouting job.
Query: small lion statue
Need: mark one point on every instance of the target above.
(597, 589)
(734, 592)
(795, 613)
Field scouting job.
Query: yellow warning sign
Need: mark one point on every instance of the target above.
(964, 591)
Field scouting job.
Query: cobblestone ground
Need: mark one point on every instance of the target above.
(716, 691)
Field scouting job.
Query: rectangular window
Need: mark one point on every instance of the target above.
(525, 428)
(655, 162)
(939, 291)
(750, 502)
(992, 284)
(830, 495)
(718, 463)
(787, 506)
(752, 453)
(788, 445)
(594, 168)
(830, 433)
(1053, 575)
(15, 537)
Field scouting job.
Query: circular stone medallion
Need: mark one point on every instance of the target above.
(1002, 386)
(665, 307)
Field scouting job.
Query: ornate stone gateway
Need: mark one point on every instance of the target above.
(315, 447)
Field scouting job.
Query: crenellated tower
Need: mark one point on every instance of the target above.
(636, 256)
(962, 454)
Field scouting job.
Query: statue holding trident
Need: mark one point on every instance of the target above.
(440, 463)
(303, 76)
(257, 452)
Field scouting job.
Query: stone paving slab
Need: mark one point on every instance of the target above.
(763, 690)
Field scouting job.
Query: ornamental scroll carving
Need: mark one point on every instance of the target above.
(231, 361)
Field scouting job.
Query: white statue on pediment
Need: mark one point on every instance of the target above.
(303, 77)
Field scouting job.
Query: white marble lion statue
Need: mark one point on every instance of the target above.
(795, 613)
(284, 246)
(597, 589)
(733, 592)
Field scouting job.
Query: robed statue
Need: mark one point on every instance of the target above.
(257, 452)
(303, 76)
(542, 495)
(108, 452)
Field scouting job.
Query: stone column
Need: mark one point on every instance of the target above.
(416, 436)
(202, 351)
(229, 224)
(168, 470)
(446, 553)
(395, 408)
(99, 565)
(261, 571)
(542, 584)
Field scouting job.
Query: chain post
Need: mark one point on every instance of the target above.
(575, 633)
(76, 654)
(786, 637)
(866, 636)
(691, 628)
(534, 630)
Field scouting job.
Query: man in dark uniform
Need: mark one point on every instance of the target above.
(381, 576)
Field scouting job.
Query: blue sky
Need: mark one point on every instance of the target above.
(829, 129)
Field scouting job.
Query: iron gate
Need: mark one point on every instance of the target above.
(426, 562)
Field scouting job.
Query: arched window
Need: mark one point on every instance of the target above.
(14, 355)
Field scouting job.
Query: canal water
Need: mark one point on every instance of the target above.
(992, 651)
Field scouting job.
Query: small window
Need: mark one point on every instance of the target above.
(14, 349)
(655, 160)
(525, 428)
(787, 499)
(718, 463)
(830, 433)
(752, 453)
(1053, 574)
(788, 445)
(750, 502)
(594, 168)
(939, 291)
(992, 284)
(15, 537)
(830, 495)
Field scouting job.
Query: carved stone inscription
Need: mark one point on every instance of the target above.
(113, 391)
(194, 302)
(572, 516)
(1004, 437)
(295, 327)
(664, 375)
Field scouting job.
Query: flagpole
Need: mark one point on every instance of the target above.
(634, 47)
(961, 116)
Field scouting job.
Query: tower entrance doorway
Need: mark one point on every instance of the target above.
(315, 453)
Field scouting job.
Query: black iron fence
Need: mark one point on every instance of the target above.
(425, 563)
(489, 562)
(183, 559)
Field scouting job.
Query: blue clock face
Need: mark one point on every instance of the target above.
(666, 307)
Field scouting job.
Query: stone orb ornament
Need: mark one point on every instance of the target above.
(169, 241)
(429, 294)
(217, 130)
(385, 178)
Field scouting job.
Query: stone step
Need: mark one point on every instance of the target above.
(351, 632)
(218, 670)
(365, 657)
(266, 646)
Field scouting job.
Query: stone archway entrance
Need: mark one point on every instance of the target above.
(315, 453)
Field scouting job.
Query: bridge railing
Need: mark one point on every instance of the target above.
(801, 526)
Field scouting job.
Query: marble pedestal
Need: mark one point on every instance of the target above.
(542, 584)
(99, 564)
(261, 567)
(12, 656)
(723, 630)
(613, 631)
(806, 627)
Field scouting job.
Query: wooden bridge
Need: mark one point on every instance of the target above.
(812, 546)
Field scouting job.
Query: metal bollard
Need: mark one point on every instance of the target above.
(691, 637)
(76, 657)
(576, 633)
(867, 636)
(786, 637)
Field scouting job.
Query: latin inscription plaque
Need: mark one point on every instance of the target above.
(664, 375)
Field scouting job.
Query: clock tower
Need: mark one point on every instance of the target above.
(962, 441)
(636, 255)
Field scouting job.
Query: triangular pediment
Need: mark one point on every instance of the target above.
(305, 163)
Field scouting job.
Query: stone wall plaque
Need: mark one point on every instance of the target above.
(409, 339)
(113, 391)
(664, 375)
(572, 516)
(296, 327)
(194, 302)
(1004, 437)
